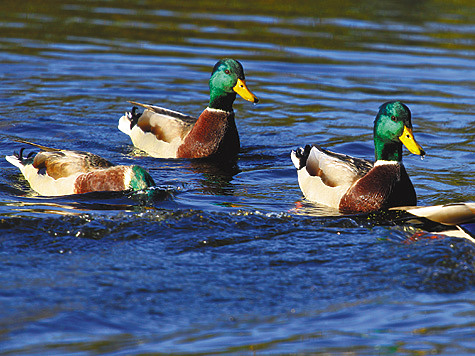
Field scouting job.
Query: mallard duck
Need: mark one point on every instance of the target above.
(54, 172)
(357, 185)
(164, 133)
(458, 218)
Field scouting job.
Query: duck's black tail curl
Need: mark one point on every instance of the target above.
(302, 155)
(21, 158)
(134, 116)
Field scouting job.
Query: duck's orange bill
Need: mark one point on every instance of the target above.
(244, 92)
(408, 140)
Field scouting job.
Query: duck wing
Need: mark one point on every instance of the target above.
(63, 163)
(58, 163)
(335, 169)
(167, 125)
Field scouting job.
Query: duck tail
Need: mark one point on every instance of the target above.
(125, 123)
(18, 160)
(146, 106)
(295, 160)
(299, 156)
(129, 119)
(15, 160)
(44, 148)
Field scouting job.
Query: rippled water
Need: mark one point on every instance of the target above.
(232, 259)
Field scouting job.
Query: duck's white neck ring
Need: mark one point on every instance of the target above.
(382, 162)
(219, 110)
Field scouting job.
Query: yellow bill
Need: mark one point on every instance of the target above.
(408, 140)
(244, 92)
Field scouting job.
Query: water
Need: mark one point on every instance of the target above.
(232, 260)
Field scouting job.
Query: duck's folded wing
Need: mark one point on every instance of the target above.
(335, 169)
(165, 124)
(63, 163)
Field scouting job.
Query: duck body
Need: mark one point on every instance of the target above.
(352, 184)
(448, 214)
(164, 133)
(458, 219)
(54, 172)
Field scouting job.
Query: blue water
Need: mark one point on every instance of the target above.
(233, 259)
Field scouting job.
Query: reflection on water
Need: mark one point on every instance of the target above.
(233, 259)
(79, 204)
(216, 178)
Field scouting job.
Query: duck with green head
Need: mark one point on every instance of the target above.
(55, 172)
(165, 133)
(357, 185)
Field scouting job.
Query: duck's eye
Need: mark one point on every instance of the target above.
(393, 118)
(227, 71)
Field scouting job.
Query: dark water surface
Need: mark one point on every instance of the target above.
(232, 260)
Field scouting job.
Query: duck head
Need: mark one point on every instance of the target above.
(392, 129)
(227, 80)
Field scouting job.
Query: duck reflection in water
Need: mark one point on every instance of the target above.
(216, 176)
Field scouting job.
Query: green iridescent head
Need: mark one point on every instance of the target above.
(140, 179)
(227, 80)
(392, 129)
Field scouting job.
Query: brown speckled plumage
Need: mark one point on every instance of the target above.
(110, 179)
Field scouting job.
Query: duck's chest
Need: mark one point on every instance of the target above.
(214, 134)
(384, 186)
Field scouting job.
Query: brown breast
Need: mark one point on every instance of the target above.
(111, 179)
(384, 186)
(214, 135)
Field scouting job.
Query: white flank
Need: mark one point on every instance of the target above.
(43, 184)
(336, 170)
(147, 142)
(315, 190)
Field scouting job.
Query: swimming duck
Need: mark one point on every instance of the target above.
(54, 172)
(458, 219)
(357, 185)
(164, 133)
